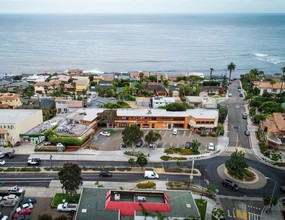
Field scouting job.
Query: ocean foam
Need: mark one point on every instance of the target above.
(268, 58)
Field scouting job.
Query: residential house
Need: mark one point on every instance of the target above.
(202, 102)
(122, 75)
(143, 101)
(136, 75)
(161, 101)
(108, 77)
(81, 84)
(60, 77)
(10, 100)
(14, 122)
(18, 86)
(46, 88)
(156, 89)
(270, 88)
(273, 129)
(105, 84)
(75, 72)
(65, 105)
(36, 78)
(107, 204)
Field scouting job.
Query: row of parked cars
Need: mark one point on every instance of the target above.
(5, 155)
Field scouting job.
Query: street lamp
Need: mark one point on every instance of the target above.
(268, 178)
(191, 175)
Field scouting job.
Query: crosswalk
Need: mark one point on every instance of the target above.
(233, 149)
(253, 216)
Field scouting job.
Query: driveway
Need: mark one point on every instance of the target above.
(168, 140)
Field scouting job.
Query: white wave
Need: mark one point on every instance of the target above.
(93, 71)
(261, 55)
(268, 58)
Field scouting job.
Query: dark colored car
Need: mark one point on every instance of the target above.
(9, 155)
(282, 188)
(105, 173)
(240, 95)
(28, 200)
(18, 143)
(229, 184)
(188, 145)
(139, 143)
(246, 132)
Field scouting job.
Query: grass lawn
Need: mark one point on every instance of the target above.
(59, 197)
(202, 206)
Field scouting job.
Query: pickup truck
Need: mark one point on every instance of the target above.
(67, 207)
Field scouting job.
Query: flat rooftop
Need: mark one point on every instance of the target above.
(15, 115)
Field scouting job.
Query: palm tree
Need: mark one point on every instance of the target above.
(272, 82)
(141, 76)
(231, 67)
(282, 80)
(211, 71)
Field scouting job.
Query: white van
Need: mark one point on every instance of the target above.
(149, 174)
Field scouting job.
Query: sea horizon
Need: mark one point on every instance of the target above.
(160, 42)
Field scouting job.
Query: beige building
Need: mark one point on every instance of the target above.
(14, 122)
(10, 100)
(81, 83)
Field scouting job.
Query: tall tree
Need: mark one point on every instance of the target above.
(211, 71)
(131, 135)
(152, 136)
(272, 82)
(70, 177)
(107, 117)
(141, 160)
(231, 67)
(237, 165)
(141, 76)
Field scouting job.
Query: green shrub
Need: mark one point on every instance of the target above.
(203, 134)
(11, 169)
(165, 158)
(59, 197)
(276, 157)
(179, 158)
(249, 176)
(280, 164)
(146, 185)
(172, 150)
(30, 169)
(186, 152)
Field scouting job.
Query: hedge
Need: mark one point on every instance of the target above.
(146, 185)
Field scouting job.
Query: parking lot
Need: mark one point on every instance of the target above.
(114, 142)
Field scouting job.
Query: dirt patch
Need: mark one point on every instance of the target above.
(43, 207)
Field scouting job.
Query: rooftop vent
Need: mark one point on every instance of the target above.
(149, 112)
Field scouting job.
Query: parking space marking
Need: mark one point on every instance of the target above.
(159, 170)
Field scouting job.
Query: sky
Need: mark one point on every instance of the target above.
(142, 6)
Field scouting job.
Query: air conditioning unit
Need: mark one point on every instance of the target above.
(141, 198)
(117, 197)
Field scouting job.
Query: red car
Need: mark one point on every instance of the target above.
(22, 212)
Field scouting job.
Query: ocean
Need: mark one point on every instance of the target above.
(36, 43)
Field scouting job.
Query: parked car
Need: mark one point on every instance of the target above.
(28, 200)
(244, 115)
(2, 155)
(188, 145)
(14, 189)
(240, 95)
(211, 146)
(152, 145)
(175, 132)
(230, 95)
(9, 155)
(231, 185)
(282, 188)
(105, 133)
(34, 161)
(105, 173)
(2, 162)
(139, 143)
(246, 132)
(27, 205)
(18, 143)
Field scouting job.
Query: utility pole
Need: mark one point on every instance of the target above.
(50, 157)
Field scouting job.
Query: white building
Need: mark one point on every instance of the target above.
(162, 101)
(14, 122)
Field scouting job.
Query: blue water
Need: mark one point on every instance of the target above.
(54, 43)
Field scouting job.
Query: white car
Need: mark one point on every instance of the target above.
(230, 95)
(105, 133)
(211, 146)
(2, 162)
(174, 131)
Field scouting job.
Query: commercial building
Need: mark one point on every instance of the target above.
(194, 119)
(98, 203)
(161, 101)
(14, 122)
